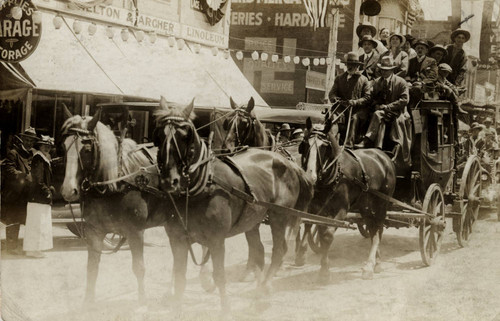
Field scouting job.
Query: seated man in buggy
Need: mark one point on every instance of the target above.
(352, 89)
(390, 97)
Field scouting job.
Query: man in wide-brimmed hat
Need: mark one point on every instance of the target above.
(353, 90)
(16, 184)
(456, 57)
(284, 133)
(367, 28)
(407, 46)
(389, 97)
(488, 130)
(438, 52)
(421, 67)
(369, 58)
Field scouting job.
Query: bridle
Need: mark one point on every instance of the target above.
(90, 171)
(234, 122)
(325, 174)
(188, 166)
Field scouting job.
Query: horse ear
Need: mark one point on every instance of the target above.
(66, 113)
(233, 104)
(309, 123)
(251, 105)
(163, 103)
(91, 125)
(189, 109)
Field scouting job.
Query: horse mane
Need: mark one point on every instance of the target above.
(132, 157)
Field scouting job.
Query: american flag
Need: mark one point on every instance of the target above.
(316, 9)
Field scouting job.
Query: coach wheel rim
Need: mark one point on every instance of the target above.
(431, 231)
(470, 193)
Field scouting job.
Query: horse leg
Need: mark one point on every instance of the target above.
(180, 247)
(325, 234)
(207, 283)
(218, 252)
(136, 243)
(94, 248)
(374, 226)
(378, 266)
(255, 261)
(278, 227)
(301, 245)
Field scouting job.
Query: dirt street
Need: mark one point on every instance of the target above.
(464, 284)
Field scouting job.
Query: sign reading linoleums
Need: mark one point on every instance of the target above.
(19, 34)
(204, 36)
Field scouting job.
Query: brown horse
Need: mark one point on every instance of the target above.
(92, 155)
(210, 212)
(343, 181)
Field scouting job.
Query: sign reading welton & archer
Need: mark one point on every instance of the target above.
(20, 29)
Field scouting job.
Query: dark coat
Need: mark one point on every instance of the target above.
(356, 89)
(458, 65)
(418, 69)
(41, 172)
(369, 67)
(396, 97)
(16, 185)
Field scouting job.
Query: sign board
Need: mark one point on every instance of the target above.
(315, 80)
(19, 34)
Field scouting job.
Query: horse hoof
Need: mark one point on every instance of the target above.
(323, 276)
(207, 284)
(248, 276)
(300, 261)
(367, 274)
(378, 268)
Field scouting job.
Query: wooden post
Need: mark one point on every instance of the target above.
(332, 48)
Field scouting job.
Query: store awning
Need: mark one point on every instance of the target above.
(14, 82)
(84, 63)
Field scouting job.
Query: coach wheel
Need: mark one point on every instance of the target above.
(363, 230)
(432, 226)
(470, 199)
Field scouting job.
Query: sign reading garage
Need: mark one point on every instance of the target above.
(20, 29)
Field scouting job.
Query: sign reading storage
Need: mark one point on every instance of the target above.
(19, 34)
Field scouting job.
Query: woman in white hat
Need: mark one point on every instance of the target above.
(398, 55)
(38, 233)
(456, 57)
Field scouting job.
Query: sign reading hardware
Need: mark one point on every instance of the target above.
(19, 34)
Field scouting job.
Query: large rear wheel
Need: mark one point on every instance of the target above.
(432, 226)
(470, 199)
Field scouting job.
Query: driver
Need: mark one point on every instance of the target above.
(352, 89)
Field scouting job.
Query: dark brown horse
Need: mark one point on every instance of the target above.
(343, 181)
(208, 212)
(92, 156)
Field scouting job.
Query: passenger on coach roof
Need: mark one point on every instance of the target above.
(383, 35)
(438, 52)
(407, 46)
(456, 56)
(389, 96)
(399, 57)
(422, 67)
(369, 58)
(368, 29)
(353, 89)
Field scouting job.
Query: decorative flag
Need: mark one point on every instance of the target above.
(317, 9)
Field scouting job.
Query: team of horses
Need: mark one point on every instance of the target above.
(203, 198)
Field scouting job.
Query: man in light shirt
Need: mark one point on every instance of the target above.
(367, 28)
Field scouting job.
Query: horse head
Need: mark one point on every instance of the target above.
(81, 153)
(180, 146)
(318, 148)
(242, 128)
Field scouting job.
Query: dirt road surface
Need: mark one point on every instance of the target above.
(464, 283)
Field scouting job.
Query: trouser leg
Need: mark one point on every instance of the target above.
(376, 129)
(12, 236)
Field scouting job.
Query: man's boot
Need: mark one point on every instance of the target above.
(12, 239)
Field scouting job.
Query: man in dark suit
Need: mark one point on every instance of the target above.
(456, 57)
(352, 89)
(16, 184)
(390, 97)
(369, 58)
(421, 67)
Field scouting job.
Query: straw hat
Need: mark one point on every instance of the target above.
(29, 132)
(386, 63)
(45, 140)
(445, 67)
(400, 36)
(438, 48)
(352, 58)
(369, 39)
(460, 31)
(488, 120)
(285, 127)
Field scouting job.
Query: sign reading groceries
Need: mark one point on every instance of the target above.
(20, 30)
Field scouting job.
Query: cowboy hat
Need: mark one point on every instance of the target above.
(386, 63)
(368, 25)
(422, 42)
(438, 48)
(29, 132)
(369, 39)
(352, 58)
(460, 31)
(396, 34)
(45, 140)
